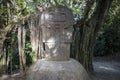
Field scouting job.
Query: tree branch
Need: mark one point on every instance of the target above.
(88, 8)
(100, 12)
(86, 11)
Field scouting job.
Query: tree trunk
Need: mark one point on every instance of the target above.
(21, 46)
(86, 30)
(35, 36)
(4, 58)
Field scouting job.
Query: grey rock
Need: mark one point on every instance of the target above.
(57, 70)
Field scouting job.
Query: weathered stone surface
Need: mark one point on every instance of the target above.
(57, 51)
(57, 34)
(57, 15)
(57, 27)
(57, 70)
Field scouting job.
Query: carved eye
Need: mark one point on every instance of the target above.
(48, 27)
(63, 14)
(66, 28)
(51, 15)
(57, 27)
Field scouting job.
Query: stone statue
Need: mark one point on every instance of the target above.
(56, 24)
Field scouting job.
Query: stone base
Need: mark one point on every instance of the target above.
(57, 70)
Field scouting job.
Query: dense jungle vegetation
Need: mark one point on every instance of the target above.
(97, 30)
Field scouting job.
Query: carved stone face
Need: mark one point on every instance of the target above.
(57, 24)
(57, 31)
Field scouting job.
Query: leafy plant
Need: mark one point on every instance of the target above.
(108, 41)
(29, 53)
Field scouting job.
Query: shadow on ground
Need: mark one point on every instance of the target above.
(106, 69)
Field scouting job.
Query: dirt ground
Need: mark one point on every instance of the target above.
(105, 68)
(16, 76)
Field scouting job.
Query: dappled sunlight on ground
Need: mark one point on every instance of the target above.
(106, 70)
(16, 76)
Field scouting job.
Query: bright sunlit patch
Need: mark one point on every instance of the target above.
(107, 68)
(69, 35)
(51, 45)
(54, 51)
(52, 40)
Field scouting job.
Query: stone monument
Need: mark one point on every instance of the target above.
(57, 27)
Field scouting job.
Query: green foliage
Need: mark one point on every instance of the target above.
(29, 53)
(108, 41)
(13, 54)
(3, 11)
(76, 5)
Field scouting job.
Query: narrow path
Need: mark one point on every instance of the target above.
(106, 69)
